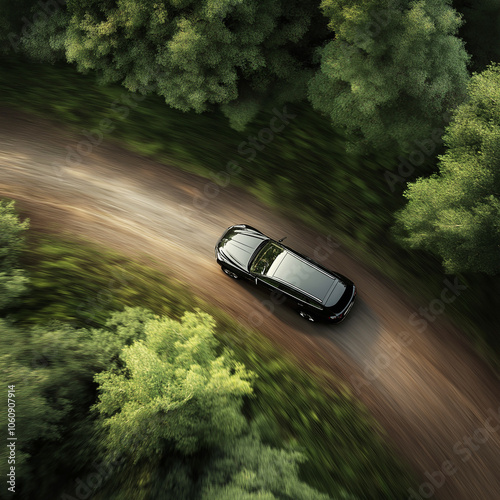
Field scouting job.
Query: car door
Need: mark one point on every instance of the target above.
(306, 303)
(293, 297)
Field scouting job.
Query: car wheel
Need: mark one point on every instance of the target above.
(306, 316)
(230, 273)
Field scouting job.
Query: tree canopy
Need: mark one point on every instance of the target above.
(196, 54)
(456, 213)
(175, 392)
(386, 72)
(257, 471)
(392, 70)
(14, 22)
(174, 409)
(52, 368)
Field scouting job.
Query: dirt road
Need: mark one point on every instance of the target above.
(432, 394)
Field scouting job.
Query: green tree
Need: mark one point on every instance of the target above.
(174, 410)
(196, 54)
(175, 391)
(456, 213)
(241, 469)
(392, 70)
(53, 369)
(12, 278)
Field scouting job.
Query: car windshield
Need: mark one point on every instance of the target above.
(265, 257)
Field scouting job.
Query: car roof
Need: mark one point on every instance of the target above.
(303, 275)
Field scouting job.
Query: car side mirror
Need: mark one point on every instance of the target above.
(282, 239)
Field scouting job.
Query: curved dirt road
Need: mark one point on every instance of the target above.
(431, 393)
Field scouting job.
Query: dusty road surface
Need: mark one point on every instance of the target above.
(431, 393)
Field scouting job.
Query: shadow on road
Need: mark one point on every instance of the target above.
(357, 335)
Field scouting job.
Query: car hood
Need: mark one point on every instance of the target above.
(238, 245)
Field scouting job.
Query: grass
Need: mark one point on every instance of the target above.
(342, 442)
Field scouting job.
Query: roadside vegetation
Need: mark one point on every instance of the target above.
(66, 329)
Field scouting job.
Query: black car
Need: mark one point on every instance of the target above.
(317, 293)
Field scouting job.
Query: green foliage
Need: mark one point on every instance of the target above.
(177, 403)
(14, 22)
(175, 392)
(60, 288)
(122, 329)
(12, 285)
(322, 418)
(12, 279)
(11, 236)
(456, 214)
(193, 54)
(480, 31)
(391, 72)
(258, 471)
(52, 369)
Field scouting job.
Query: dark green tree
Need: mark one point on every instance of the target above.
(53, 369)
(16, 19)
(392, 70)
(196, 54)
(456, 213)
(251, 470)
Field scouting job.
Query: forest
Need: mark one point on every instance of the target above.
(376, 121)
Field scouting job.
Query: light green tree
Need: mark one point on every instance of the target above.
(175, 392)
(12, 278)
(456, 213)
(392, 70)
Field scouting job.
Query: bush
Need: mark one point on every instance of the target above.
(12, 279)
